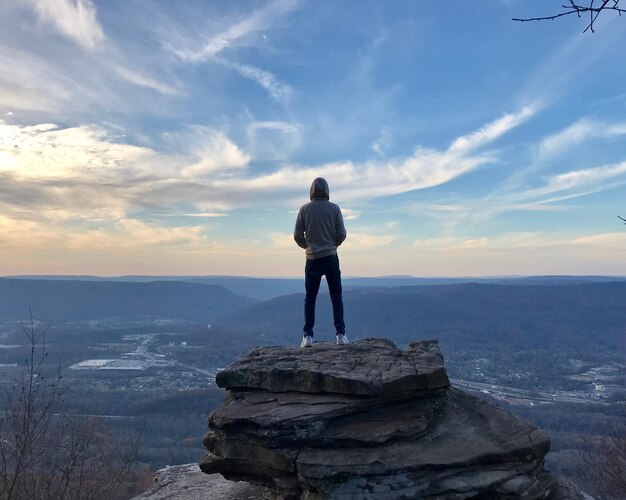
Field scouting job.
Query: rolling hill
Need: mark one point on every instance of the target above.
(68, 300)
(556, 315)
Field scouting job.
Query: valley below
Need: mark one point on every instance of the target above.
(552, 354)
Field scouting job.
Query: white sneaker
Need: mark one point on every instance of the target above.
(307, 341)
(342, 340)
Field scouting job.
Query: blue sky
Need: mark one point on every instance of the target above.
(157, 137)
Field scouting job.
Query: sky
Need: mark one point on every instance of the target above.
(181, 138)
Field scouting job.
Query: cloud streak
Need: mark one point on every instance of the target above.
(241, 34)
(554, 188)
(137, 78)
(425, 168)
(74, 19)
(100, 193)
(582, 130)
(237, 33)
(278, 90)
(493, 130)
(572, 184)
(515, 241)
(210, 165)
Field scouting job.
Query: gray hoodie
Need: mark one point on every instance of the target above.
(319, 225)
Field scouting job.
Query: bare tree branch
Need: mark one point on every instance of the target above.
(48, 453)
(577, 8)
(605, 462)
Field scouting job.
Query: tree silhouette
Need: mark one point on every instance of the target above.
(590, 9)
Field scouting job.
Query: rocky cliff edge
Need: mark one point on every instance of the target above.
(369, 420)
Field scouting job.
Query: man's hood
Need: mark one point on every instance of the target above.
(319, 189)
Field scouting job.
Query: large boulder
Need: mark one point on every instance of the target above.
(370, 367)
(367, 420)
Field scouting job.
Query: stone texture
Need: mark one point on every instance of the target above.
(466, 431)
(187, 482)
(370, 367)
(564, 489)
(368, 420)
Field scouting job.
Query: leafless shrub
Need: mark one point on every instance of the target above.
(48, 454)
(604, 460)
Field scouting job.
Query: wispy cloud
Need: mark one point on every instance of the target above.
(573, 184)
(349, 214)
(275, 88)
(206, 215)
(380, 145)
(241, 33)
(52, 87)
(423, 169)
(582, 178)
(137, 78)
(29, 82)
(526, 190)
(48, 151)
(580, 131)
(429, 168)
(279, 126)
(521, 240)
(360, 241)
(91, 182)
(493, 130)
(283, 242)
(237, 33)
(212, 153)
(355, 241)
(99, 192)
(273, 140)
(553, 189)
(92, 79)
(206, 170)
(74, 19)
(128, 233)
(548, 197)
(570, 136)
(616, 241)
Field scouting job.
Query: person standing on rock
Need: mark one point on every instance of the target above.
(320, 230)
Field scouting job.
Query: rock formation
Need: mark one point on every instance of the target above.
(187, 482)
(368, 420)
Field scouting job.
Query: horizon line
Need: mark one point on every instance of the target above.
(392, 276)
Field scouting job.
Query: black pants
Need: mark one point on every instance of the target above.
(313, 272)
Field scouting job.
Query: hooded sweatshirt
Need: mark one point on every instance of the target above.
(319, 225)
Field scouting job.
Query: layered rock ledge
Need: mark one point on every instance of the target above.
(367, 420)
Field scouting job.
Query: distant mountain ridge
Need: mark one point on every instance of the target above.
(517, 314)
(480, 312)
(71, 300)
(269, 288)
